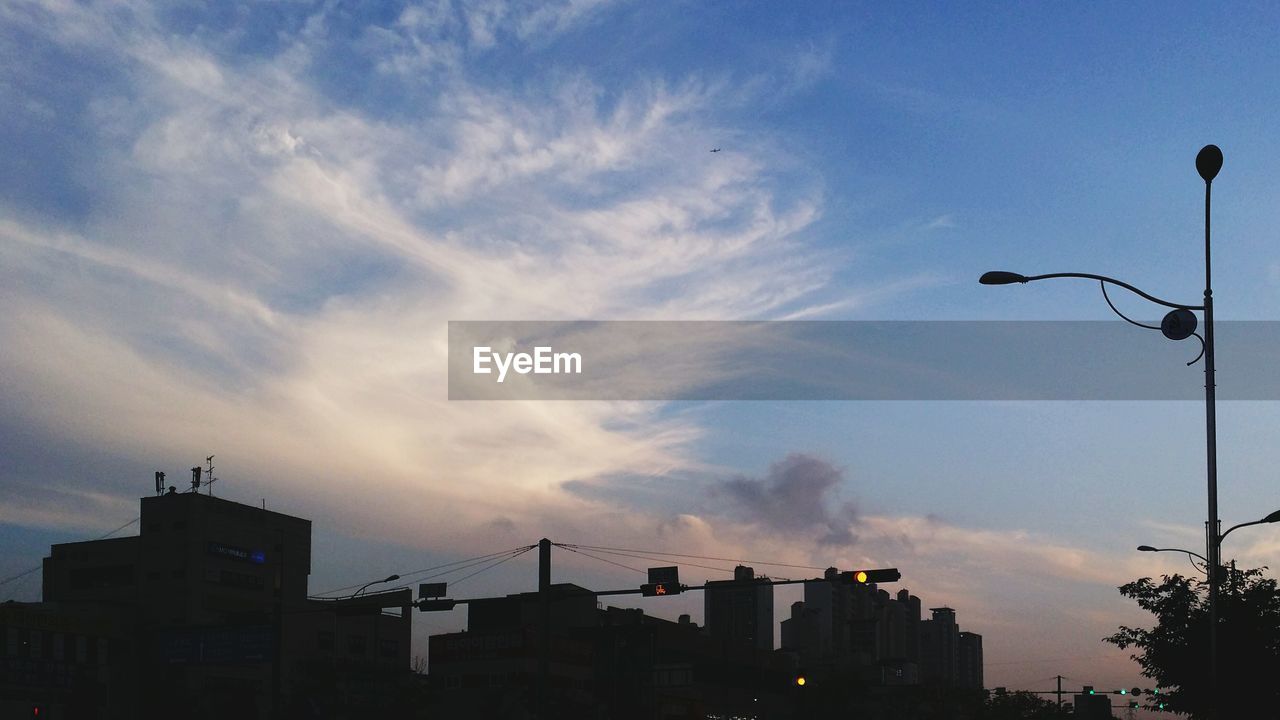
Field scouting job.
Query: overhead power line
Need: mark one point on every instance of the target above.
(597, 557)
(20, 575)
(655, 559)
(460, 565)
(113, 532)
(28, 571)
(514, 555)
(700, 557)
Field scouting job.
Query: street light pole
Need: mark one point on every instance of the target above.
(1271, 518)
(1177, 325)
(1208, 163)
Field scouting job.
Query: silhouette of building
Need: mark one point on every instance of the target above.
(611, 662)
(491, 669)
(66, 658)
(206, 614)
(911, 624)
(740, 611)
(856, 631)
(939, 640)
(862, 633)
(969, 660)
(808, 633)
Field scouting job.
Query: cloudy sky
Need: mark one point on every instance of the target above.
(242, 229)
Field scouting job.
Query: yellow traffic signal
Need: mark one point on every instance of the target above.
(800, 681)
(863, 577)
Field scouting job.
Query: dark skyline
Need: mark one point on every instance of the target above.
(208, 611)
(243, 230)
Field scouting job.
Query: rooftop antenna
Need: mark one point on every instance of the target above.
(159, 483)
(209, 474)
(195, 478)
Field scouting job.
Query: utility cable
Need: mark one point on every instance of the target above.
(490, 567)
(666, 560)
(28, 571)
(597, 557)
(466, 563)
(702, 557)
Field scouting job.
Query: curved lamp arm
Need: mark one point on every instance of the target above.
(1148, 548)
(384, 580)
(1000, 277)
(1273, 517)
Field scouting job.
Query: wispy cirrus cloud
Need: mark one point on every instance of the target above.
(267, 272)
(440, 36)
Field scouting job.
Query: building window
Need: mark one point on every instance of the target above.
(245, 581)
(388, 647)
(324, 640)
(357, 645)
(85, 578)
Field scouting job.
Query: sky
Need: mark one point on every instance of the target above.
(241, 230)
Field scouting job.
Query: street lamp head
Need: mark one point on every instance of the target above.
(1178, 324)
(1209, 162)
(1273, 517)
(1000, 277)
(1146, 548)
(391, 578)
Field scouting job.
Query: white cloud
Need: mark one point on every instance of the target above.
(942, 222)
(810, 65)
(268, 276)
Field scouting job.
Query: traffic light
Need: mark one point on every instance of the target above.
(1121, 692)
(660, 589)
(800, 681)
(863, 577)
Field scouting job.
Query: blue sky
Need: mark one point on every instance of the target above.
(242, 229)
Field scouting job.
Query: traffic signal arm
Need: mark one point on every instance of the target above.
(878, 575)
(661, 589)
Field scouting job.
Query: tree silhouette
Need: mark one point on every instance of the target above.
(1175, 653)
(1020, 706)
